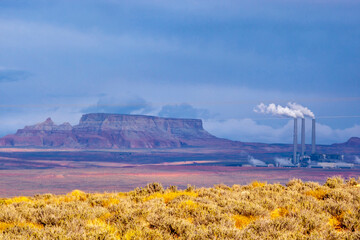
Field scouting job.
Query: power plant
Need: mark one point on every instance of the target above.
(295, 141)
(302, 137)
(311, 159)
(313, 144)
(296, 159)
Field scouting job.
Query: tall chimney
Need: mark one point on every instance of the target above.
(313, 139)
(302, 137)
(295, 141)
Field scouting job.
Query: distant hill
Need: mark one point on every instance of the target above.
(100, 130)
(352, 142)
(352, 146)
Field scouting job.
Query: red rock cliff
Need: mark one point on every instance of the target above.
(100, 130)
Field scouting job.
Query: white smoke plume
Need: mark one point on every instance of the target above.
(304, 110)
(253, 161)
(357, 160)
(282, 161)
(278, 110)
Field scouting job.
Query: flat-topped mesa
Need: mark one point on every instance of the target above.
(125, 122)
(102, 130)
(137, 131)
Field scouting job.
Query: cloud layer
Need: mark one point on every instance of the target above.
(122, 106)
(183, 110)
(248, 130)
(7, 75)
(200, 59)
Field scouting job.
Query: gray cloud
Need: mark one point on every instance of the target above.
(123, 106)
(7, 75)
(223, 56)
(183, 110)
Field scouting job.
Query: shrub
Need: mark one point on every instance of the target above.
(242, 221)
(256, 184)
(279, 212)
(319, 193)
(154, 187)
(299, 210)
(334, 182)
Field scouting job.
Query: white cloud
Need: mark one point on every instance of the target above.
(248, 130)
(328, 135)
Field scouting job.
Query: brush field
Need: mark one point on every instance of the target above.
(298, 210)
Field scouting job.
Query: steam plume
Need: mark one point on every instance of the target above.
(282, 161)
(278, 110)
(293, 110)
(253, 161)
(304, 110)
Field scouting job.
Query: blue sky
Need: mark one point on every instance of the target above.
(214, 60)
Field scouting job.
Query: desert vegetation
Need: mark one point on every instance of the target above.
(297, 210)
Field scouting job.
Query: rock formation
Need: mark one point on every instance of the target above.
(100, 130)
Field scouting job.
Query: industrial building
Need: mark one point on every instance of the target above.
(313, 160)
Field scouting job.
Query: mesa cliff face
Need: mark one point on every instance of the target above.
(100, 130)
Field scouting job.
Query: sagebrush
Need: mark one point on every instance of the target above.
(299, 210)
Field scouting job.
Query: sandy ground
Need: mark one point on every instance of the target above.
(127, 177)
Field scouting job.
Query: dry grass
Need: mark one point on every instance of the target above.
(299, 210)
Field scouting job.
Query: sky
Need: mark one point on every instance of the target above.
(207, 59)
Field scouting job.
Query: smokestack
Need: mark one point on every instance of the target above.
(295, 140)
(313, 147)
(302, 137)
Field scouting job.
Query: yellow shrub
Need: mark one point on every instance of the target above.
(101, 224)
(188, 204)
(96, 223)
(132, 234)
(75, 195)
(242, 221)
(335, 223)
(121, 194)
(258, 184)
(4, 225)
(17, 200)
(318, 193)
(279, 212)
(170, 195)
(109, 202)
(31, 225)
(106, 216)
